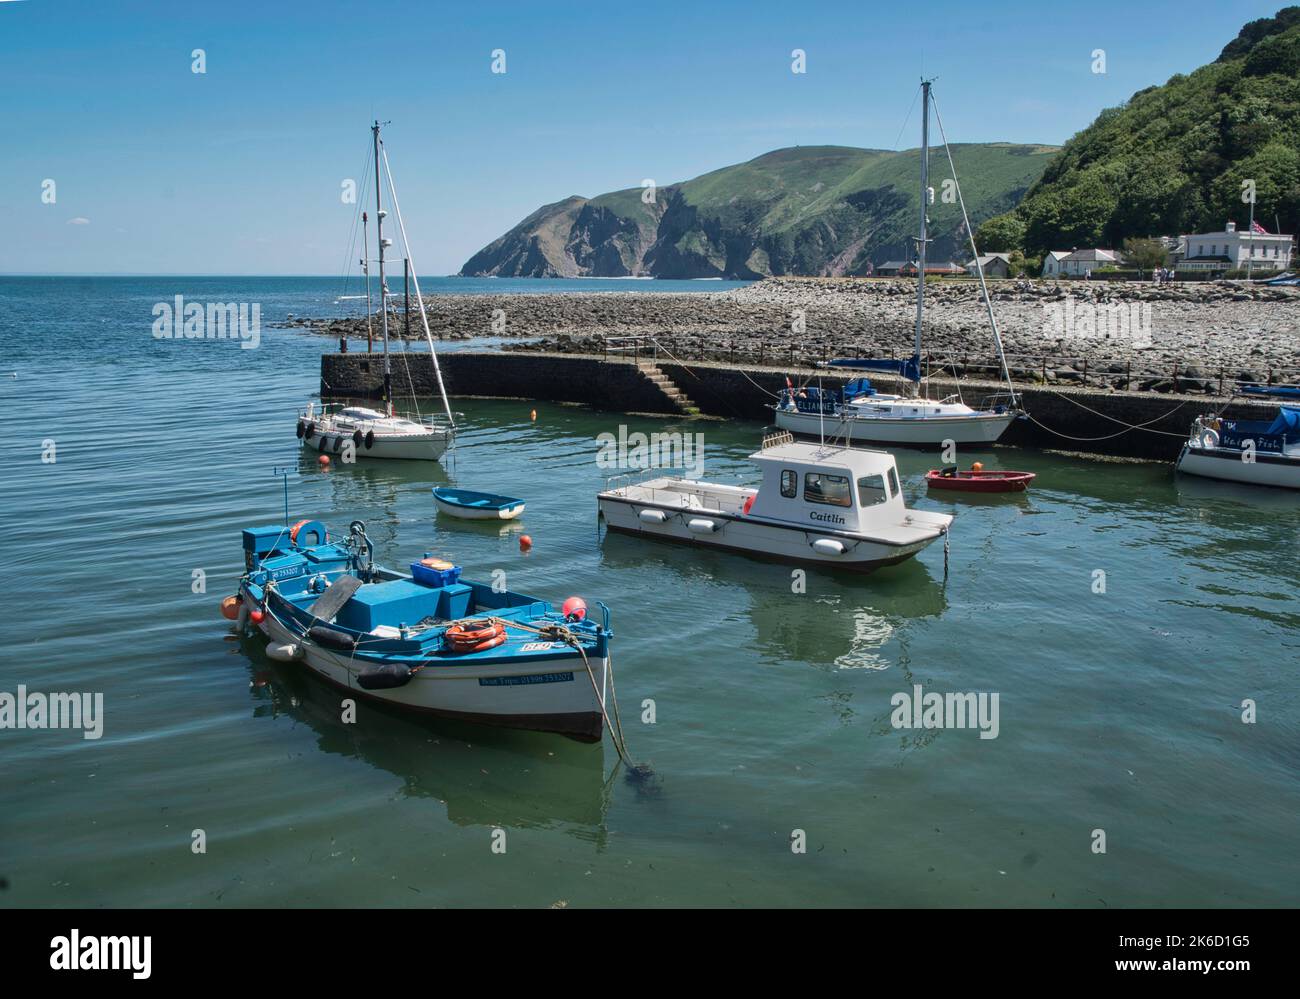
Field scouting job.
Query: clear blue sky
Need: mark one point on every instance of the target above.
(238, 170)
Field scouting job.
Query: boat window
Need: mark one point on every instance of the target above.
(871, 490)
(789, 483)
(830, 489)
(893, 482)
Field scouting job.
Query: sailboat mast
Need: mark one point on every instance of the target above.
(925, 205)
(383, 287)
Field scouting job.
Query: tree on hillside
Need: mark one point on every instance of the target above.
(1001, 234)
(1145, 254)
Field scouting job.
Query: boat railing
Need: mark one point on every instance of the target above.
(777, 439)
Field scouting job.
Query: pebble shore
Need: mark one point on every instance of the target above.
(1185, 336)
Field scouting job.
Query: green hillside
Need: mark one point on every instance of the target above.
(805, 210)
(1173, 158)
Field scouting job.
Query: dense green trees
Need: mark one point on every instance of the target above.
(1172, 160)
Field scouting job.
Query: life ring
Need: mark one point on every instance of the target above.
(1209, 438)
(468, 636)
(748, 505)
(301, 427)
(308, 527)
(370, 439)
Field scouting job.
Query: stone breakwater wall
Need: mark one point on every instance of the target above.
(1090, 421)
(1186, 338)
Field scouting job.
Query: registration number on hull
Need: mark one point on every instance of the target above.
(517, 681)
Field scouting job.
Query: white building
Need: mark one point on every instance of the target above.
(1078, 263)
(1232, 250)
(1052, 262)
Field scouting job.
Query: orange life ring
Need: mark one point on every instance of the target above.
(462, 638)
(313, 527)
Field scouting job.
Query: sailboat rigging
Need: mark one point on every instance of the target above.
(864, 415)
(385, 434)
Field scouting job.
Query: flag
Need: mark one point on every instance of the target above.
(1255, 227)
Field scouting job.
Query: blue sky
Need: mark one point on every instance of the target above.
(238, 170)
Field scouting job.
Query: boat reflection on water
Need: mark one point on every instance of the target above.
(484, 776)
(840, 621)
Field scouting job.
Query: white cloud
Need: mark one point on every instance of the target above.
(79, 221)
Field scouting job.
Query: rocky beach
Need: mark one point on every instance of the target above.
(1186, 337)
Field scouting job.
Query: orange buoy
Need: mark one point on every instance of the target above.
(256, 616)
(324, 460)
(525, 542)
(574, 609)
(533, 416)
(230, 608)
(977, 466)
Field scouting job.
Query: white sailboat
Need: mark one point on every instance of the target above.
(860, 414)
(375, 433)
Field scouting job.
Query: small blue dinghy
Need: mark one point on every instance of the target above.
(467, 504)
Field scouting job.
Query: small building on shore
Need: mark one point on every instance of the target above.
(995, 265)
(1079, 263)
(1052, 262)
(1232, 250)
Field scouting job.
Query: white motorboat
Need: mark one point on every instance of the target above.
(859, 414)
(373, 435)
(382, 433)
(1257, 452)
(817, 504)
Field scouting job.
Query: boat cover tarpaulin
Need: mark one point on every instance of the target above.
(1287, 423)
(909, 369)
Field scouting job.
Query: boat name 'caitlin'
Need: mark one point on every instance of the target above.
(826, 518)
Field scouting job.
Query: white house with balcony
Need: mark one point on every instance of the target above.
(1233, 250)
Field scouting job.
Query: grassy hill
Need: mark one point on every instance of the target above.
(812, 210)
(1172, 159)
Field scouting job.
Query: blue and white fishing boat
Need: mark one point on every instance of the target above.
(470, 505)
(427, 641)
(860, 414)
(1258, 452)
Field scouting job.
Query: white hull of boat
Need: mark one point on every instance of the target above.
(749, 536)
(416, 446)
(469, 513)
(547, 696)
(1227, 464)
(926, 431)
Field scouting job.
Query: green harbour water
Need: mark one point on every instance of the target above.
(1119, 711)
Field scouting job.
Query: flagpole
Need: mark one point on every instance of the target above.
(1250, 246)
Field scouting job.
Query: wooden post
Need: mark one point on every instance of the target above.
(1128, 372)
(1085, 370)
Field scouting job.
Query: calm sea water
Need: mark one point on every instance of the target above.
(1118, 711)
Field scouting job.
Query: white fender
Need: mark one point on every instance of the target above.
(702, 525)
(284, 653)
(652, 516)
(828, 546)
(241, 620)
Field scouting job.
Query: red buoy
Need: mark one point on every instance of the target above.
(574, 608)
(324, 460)
(525, 542)
(256, 616)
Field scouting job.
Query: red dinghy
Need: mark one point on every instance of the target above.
(977, 480)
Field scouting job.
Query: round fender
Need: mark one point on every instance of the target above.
(370, 439)
(301, 429)
(309, 430)
(357, 438)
